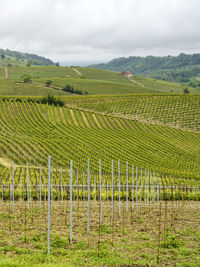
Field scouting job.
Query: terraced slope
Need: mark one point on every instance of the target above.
(30, 132)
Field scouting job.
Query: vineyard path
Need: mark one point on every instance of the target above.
(6, 72)
(138, 83)
(77, 71)
(5, 162)
(44, 86)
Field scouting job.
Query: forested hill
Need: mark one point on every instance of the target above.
(173, 68)
(18, 58)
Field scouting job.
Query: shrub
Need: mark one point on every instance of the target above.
(70, 89)
(48, 83)
(27, 78)
(186, 91)
(51, 100)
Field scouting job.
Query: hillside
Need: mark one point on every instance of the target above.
(14, 58)
(140, 121)
(90, 80)
(176, 111)
(182, 68)
(140, 135)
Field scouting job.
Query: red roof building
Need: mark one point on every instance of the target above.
(127, 73)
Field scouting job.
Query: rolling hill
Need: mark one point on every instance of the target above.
(15, 58)
(147, 122)
(90, 80)
(183, 68)
(157, 132)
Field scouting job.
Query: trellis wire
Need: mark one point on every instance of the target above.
(49, 204)
(27, 187)
(83, 187)
(20, 187)
(40, 188)
(10, 189)
(88, 219)
(141, 187)
(145, 186)
(136, 186)
(100, 192)
(119, 183)
(61, 185)
(149, 189)
(132, 186)
(52, 184)
(127, 186)
(2, 191)
(77, 185)
(112, 191)
(71, 185)
(150, 186)
(13, 187)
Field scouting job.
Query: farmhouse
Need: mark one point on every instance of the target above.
(127, 73)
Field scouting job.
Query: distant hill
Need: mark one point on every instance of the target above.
(15, 58)
(182, 68)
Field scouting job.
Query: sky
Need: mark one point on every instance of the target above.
(84, 32)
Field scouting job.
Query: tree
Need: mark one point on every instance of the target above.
(29, 62)
(51, 100)
(27, 78)
(57, 64)
(68, 88)
(186, 91)
(48, 83)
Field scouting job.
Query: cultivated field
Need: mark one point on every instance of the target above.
(132, 196)
(92, 81)
(160, 234)
(32, 131)
(82, 218)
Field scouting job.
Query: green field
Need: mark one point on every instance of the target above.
(92, 81)
(9, 60)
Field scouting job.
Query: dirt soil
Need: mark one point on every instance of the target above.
(149, 234)
(6, 72)
(77, 71)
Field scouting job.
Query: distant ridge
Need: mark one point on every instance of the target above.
(179, 68)
(18, 58)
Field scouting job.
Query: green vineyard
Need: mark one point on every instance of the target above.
(108, 178)
(127, 128)
(176, 111)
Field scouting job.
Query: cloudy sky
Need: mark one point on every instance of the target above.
(92, 31)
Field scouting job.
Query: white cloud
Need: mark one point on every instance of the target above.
(91, 30)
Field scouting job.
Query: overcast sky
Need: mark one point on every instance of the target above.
(90, 31)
